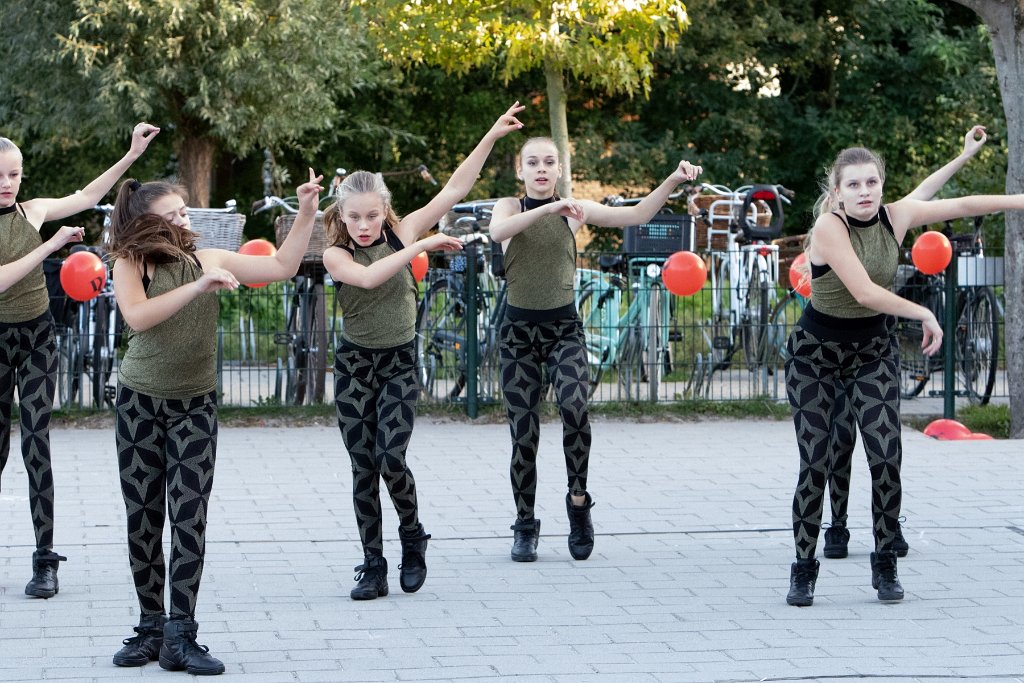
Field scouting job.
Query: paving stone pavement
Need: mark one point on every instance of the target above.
(687, 581)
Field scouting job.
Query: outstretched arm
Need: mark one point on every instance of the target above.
(913, 213)
(41, 210)
(461, 182)
(930, 186)
(13, 272)
(343, 269)
(285, 262)
(646, 208)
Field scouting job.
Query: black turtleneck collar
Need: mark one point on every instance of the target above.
(856, 223)
(531, 203)
(9, 209)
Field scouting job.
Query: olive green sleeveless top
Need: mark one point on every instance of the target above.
(540, 263)
(27, 299)
(875, 245)
(385, 316)
(176, 359)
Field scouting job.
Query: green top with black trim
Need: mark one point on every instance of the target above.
(177, 358)
(540, 262)
(383, 317)
(26, 299)
(875, 245)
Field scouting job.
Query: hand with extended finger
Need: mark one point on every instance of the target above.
(507, 122)
(142, 135)
(687, 171)
(569, 208)
(441, 242)
(217, 278)
(309, 192)
(932, 336)
(65, 235)
(974, 140)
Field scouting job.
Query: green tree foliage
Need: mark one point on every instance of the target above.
(215, 74)
(606, 44)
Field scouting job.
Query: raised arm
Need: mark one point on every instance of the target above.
(343, 268)
(286, 261)
(41, 210)
(13, 272)
(912, 213)
(461, 182)
(930, 186)
(142, 313)
(646, 208)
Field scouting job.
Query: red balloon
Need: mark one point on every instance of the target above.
(684, 273)
(83, 275)
(947, 430)
(800, 275)
(931, 253)
(419, 266)
(257, 247)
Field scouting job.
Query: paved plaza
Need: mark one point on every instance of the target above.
(687, 581)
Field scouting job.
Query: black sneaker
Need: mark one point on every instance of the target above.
(414, 559)
(144, 647)
(44, 583)
(899, 544)
(581, 528)
(884, 578)
(524, 545)
(802, 577)
(837, 538)
(372, 578)
(181, 652)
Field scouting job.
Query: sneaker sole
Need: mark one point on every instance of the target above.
(834, 554)
(800, 603)
(525, 558)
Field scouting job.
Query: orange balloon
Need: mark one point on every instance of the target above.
(83, 275)
(931, 253)
(419, 266)
(800, 275)
(684, 273)
(947, 430)
(257, 247)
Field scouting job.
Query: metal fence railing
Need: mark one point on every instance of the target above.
(276, 343)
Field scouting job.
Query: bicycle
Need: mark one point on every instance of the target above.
(451, 307)
(635, 342)
(976, 311)
(743, 275)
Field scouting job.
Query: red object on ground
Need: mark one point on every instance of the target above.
(947, 430)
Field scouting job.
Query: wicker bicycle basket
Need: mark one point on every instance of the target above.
(217, 229)
(317, 241)
(703, 202)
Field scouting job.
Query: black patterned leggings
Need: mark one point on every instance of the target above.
(166, 451)
(375, 396)
(816, 371)
(526, 349)
(28, 360)
(843, 442)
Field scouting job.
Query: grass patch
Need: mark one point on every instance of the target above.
(993, 420)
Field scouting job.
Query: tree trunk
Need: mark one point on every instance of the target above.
(195, 167)
(1005, 21)
(559, 125)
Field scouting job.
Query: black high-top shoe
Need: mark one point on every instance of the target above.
(884, 578)
(181, 652)
(372, 577)
(837, 539)
(144, 647)
(44, 582)
(802, 577)
(581, 528)
(527, 534)
(899, 544)
(413, 570)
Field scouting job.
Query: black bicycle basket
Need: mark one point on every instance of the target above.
(663, 234)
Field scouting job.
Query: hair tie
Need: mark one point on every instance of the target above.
(134, 185)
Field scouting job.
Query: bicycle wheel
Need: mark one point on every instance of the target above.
(440, 335)
(780, 323)
(315, 336)
(69, 357)
(598, 307)
(655, 350)
(915, 367)
(103, 350)
(977, 344)
(754, 320)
